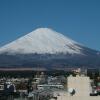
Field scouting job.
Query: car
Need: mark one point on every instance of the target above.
(94, 93)
(98, 90)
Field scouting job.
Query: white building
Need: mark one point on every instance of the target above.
(80, 84)
(48, 86)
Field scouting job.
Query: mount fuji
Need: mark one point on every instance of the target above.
(42, 41)
(47, 48)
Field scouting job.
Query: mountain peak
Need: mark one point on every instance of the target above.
(41, 41)
(43, 29)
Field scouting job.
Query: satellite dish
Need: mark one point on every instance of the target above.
(71, 91)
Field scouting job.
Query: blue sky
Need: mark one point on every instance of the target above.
(77, 19)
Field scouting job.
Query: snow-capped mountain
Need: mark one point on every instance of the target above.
(47, 48)
(41, 41)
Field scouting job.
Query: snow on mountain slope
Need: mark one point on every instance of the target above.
(41, 41)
